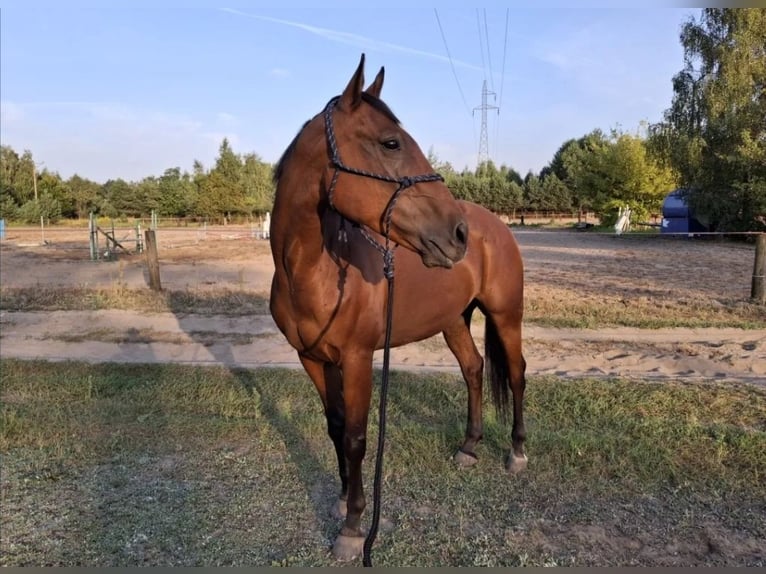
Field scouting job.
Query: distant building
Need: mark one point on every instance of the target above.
(677, 216)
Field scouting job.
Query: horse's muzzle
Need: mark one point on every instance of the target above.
(445, 249)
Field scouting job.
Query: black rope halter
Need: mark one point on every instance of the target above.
(403, 182)
(388, 270)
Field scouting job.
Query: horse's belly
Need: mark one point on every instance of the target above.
(430, 302)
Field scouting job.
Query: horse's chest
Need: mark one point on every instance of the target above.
(320, 318)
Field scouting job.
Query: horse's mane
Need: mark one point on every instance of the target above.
(376, 103)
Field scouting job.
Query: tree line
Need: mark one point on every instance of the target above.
(711, 142)
(237, 185)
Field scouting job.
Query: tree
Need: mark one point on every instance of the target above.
(50, 183)
(16, 175)
(582, 166)
(222, 191)
(177, 194)
(715, 130)
(45, 206)
(84, 194)
(556, 194)
(257, 184)
(118, 198)
(634, 178)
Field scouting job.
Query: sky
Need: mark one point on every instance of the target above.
(129, 88)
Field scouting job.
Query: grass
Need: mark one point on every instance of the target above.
(561, 307)
(549, 307)
(122, 465)
(218, 301)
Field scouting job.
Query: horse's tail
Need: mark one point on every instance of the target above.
(496, 371)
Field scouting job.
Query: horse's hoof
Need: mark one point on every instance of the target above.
(339, 509)
(514, 464)
(347, 547)
(464, 459)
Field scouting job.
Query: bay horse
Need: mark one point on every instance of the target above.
(330, 219)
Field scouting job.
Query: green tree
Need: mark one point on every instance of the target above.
(257, 184)
(583, 168)
(715, 130)
(119, 199)
(84, 194)
(556, 194)
(45, 206)
(634, 178)
(16, 175)
(222, 193)
(533, 192)
(177, 194)
(50, 183)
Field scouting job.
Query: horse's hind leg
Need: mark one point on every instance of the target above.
(505, 330)
(327, 380)
(460, 342)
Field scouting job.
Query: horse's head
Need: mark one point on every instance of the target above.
(378, 177)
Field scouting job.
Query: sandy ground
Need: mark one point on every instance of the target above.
(223, 257)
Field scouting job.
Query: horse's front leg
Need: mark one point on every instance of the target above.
(357, 389)
(327, 380)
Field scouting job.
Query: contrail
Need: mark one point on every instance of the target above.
(353, 39)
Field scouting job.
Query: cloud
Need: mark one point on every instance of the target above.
(280, 72)
(356, 40)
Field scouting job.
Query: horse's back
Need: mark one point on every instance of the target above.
(493, 248)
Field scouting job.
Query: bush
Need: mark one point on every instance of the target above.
(46, 206)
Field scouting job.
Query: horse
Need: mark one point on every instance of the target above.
(330, 221)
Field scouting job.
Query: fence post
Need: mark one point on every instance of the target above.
(758, 289)
(152, 261)
(139, 238)
(91, 231)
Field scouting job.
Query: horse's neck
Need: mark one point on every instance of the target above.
(300, 225)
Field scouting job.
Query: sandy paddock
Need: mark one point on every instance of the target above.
(583, 263)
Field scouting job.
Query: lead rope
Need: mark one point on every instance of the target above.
(388, 270)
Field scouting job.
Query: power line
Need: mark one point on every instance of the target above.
(481, 45)
(502, 79)
(489, 56)
(505, 46)
(454, 73)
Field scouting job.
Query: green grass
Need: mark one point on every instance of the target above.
(121, 465)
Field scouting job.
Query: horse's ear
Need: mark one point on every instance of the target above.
(377, 84)
(352, 95)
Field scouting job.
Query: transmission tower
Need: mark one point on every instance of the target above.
(483, 137)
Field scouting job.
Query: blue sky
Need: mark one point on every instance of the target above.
(128, 88)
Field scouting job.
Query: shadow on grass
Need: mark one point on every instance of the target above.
(321, 485)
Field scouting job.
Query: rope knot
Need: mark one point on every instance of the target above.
(388, 264)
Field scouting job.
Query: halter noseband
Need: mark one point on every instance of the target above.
(403, 182)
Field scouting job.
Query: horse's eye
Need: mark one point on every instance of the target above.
(391, 144)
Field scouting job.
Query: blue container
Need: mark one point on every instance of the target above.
(2, 228)
(677, 216)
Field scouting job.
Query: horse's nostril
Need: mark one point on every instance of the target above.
(461, 233)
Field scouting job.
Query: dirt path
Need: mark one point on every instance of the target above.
(127, 336)
(557, 264)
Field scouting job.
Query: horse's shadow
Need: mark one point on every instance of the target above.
(319, 484)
